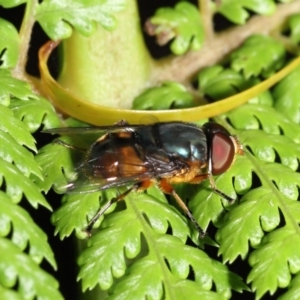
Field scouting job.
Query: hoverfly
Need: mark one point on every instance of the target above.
(159, 153)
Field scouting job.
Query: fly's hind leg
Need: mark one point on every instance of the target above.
(138, 187)
(168, 189)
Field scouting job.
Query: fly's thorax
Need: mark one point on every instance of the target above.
(182, 140)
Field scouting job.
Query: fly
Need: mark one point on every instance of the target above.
(161, 153)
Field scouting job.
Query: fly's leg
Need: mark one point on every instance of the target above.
(138, 187)
(168, 189)
(218, 192)
(100, 212)
(202, 177)
(121, 122)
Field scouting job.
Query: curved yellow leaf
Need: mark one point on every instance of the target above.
(95, 114)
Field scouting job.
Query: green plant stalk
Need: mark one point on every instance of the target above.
(119, 58)
(25, 36)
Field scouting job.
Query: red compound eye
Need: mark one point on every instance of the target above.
(222, 153)
(221, 147)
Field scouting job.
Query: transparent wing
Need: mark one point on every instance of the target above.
(83, 185)
(91, 130)
(93, 177)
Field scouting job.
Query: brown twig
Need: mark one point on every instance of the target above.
(183, 68)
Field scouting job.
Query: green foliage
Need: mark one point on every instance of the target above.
(165, 250)
(23, 237)
(11, 3)
(218, 82)
(140, 225)
(146, 235)
(258, 55)
(23, 244)
(57, 166)
(26, 111)
(182, 23)
(252, 60)
(9, 294)
(167, 96)
(272, 271)
(287, 96)
(236, 10)
(79, 207)
(293, 290)
(11, 86)
(9, 40)
(58, 17)
(32, 280)
(294, 25)
(16, 129)
(135, 239)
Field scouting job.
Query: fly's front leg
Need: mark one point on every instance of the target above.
(168, 189)
(202, 177)
(138, 187)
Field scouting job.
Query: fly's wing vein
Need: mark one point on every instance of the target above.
(92, 130)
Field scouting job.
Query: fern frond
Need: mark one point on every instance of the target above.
(219, 83)
(167, 96)
(16, 129)
(266, 216)
(11, 151)
(182, 23)
(287, 96)
(58, 18)
(6, 293)
(57, 165)
(236, 11)
(11, 87)
(13, 217)
(253, 116)
(267, 146)
(171, 271)
(25, 246)
(258, 55)
(293, 289)
(294, 25)
(34, 113)
(273, 271)
(16, 184)
(31, 280)
(11, 3)
(9, 42)
(140, 225)
(151, 287)
(77, 209)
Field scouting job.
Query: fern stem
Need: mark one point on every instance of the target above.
(184, 68)
(25, 36)
(206, 15)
